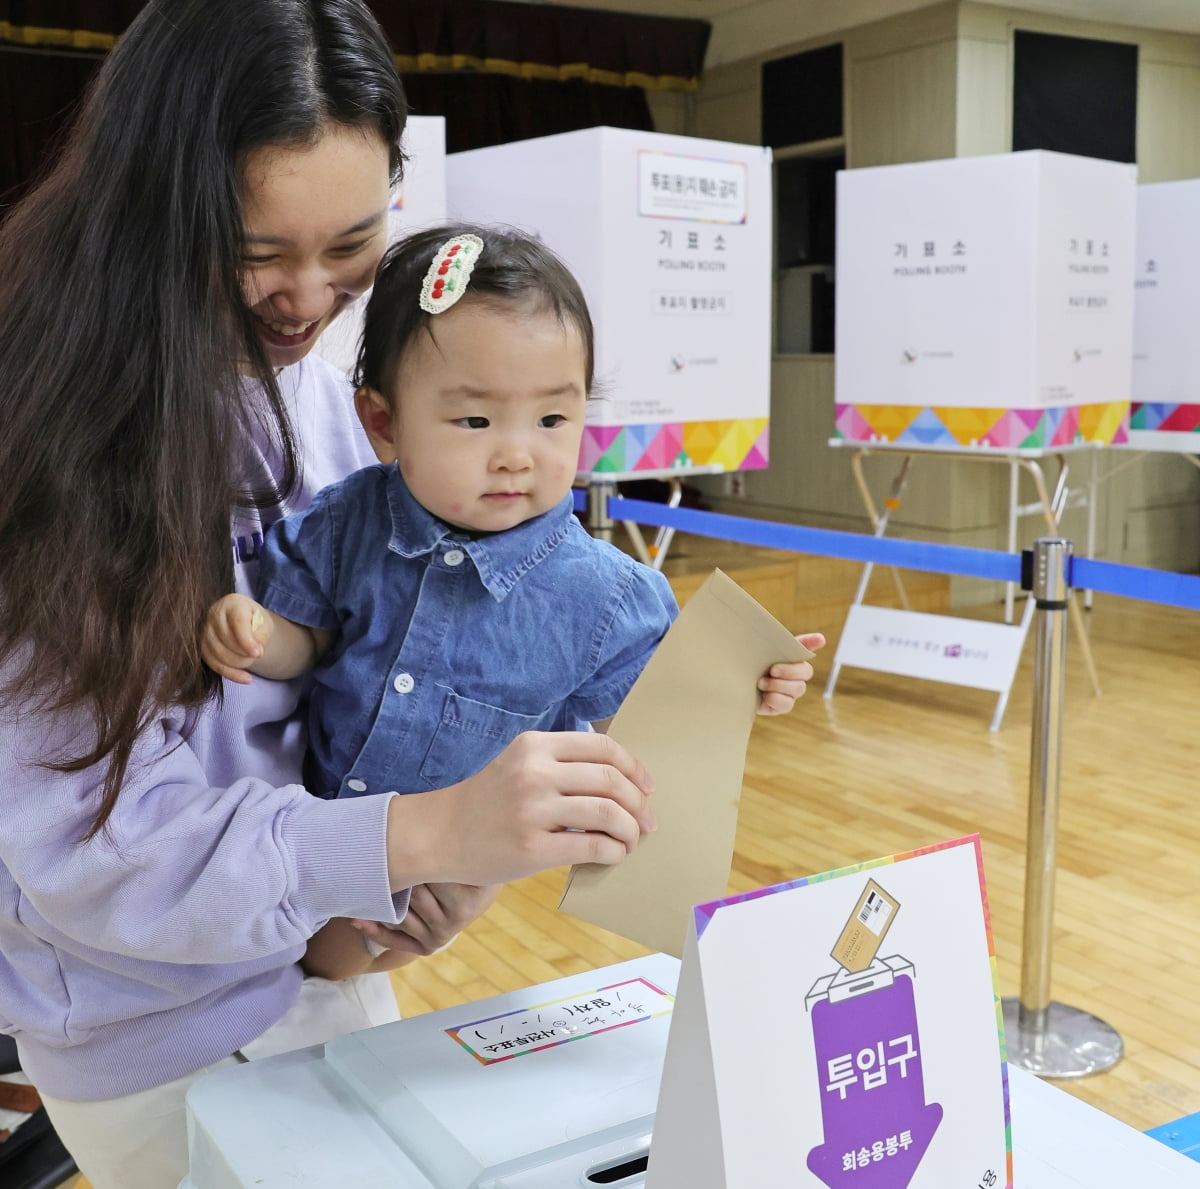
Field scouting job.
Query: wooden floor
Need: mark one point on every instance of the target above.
(891, 764)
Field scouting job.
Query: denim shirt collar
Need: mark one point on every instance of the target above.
(500, 559)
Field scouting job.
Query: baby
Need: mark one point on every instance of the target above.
(448, 599)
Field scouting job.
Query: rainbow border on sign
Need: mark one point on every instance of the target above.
(738, 445)
(704, 913)
(1006, 429)
(1156, 417)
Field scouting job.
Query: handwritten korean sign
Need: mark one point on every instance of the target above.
(500, 1038)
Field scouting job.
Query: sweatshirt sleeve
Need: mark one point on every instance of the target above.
(185, 872)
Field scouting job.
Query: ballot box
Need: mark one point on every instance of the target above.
(547, 1087)
(573, 1115)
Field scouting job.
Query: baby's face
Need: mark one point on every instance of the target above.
(487, 414)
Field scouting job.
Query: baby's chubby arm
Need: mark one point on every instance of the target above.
(241, 637)
(783, 683)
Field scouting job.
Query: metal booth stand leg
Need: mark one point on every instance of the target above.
(654, 555)
(1045, 1038)
(880, 522)
(602, 486)
(1014, 490)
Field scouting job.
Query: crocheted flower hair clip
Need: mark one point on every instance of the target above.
(446, 280)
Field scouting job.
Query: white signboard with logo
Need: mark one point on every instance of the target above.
(979, 284)
(1166, 346)
(967, 652)
(670, 239)
(418, 201)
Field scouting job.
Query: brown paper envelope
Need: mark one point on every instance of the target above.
(688, 719)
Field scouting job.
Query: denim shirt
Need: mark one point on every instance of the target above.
(450, 645)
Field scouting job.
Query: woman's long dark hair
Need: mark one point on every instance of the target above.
(122, 329)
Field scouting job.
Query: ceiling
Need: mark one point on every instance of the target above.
(745, 27)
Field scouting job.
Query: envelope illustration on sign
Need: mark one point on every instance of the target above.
(688, 719)
(872, 917)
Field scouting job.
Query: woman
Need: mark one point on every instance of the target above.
(220, 200)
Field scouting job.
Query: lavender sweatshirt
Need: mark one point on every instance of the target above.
(170, 942)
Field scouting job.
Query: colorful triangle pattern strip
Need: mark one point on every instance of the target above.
(1169, 418)
(1182, 419)
(1002, 429)
(738, 445)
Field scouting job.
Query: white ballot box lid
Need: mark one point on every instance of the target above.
(560, 1117)
(527, 1090)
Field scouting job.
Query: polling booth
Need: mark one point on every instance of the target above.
(984, 313)
(985, 302)
(670, 239)
(418, 201)
(1165, 414)
(1165, 387)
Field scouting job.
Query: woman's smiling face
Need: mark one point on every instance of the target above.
(315, 221)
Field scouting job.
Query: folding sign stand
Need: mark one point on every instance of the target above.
(967, 652)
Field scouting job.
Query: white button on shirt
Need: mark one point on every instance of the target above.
(454, 557)
(359, 786)
(404, 683)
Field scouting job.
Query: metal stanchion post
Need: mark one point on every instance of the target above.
(599, 521)
(1045, 1038)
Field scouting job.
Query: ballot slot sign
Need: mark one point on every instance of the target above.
(880, 1064)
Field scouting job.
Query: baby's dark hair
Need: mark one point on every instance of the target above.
(513, 267)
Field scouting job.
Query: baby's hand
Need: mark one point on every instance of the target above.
(784, 683)
(235, 632)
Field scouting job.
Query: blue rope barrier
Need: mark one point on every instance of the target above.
(912, 555)
(1131, 582)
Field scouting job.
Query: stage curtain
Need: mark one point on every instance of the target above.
(530, 41)
(498, 71)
